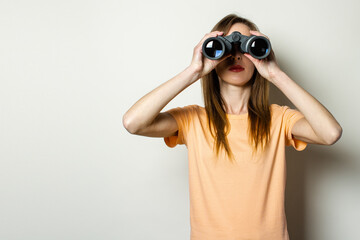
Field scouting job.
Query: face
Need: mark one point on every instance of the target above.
(223, 69)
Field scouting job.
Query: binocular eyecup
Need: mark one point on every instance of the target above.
(216, 47)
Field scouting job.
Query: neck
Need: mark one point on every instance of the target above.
(236, 98)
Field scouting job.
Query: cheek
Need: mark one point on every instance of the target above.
(220, 68)
(249, 64)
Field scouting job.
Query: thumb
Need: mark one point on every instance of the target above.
(254, 60)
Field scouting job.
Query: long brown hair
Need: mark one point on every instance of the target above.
(259, 115)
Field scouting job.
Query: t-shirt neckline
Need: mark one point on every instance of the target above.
(237, 116)
(232, 116)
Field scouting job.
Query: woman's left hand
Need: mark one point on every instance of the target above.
(267, 67)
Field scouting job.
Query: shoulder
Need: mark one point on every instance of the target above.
(285, 113)
(276, 108)
(188, 110)
(191, 108)
(194, 108)
(281, 111)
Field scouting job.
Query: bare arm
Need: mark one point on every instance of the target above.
(319, 125)
(143, 113)
(144, 117)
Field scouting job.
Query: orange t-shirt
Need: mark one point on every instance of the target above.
(237, 201)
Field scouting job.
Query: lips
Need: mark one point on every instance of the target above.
(236, 68)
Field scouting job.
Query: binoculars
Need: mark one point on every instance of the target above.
(216, 47)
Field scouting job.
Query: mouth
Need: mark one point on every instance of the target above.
(236, 68)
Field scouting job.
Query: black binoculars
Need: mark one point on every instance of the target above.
(216, 47)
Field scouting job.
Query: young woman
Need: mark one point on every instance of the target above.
(236, 143)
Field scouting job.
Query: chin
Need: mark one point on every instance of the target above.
(236, 80)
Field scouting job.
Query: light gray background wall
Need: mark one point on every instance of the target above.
(70, 69)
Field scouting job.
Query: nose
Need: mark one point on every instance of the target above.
(235, 53)
(236, 57)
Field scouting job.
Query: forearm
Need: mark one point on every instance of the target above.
(145, 110)
(320, 119)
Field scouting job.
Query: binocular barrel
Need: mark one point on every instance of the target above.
(216, 47)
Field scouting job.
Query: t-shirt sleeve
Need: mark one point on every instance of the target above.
(290, 117)
(183, 117)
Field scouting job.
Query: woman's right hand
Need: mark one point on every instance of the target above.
(199, 63)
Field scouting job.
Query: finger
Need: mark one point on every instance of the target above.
(271, 56)
(209, 35)
(198, 48)
(218, 32)
(251, 58)
(257, 33)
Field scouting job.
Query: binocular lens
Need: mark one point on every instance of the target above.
(259, 47)
(214, 49)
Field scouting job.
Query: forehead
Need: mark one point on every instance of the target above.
(240, 27)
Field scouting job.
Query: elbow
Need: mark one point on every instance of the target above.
(336, 135)
(127, 123)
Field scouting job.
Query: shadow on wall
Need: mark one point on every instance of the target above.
(315, 162)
